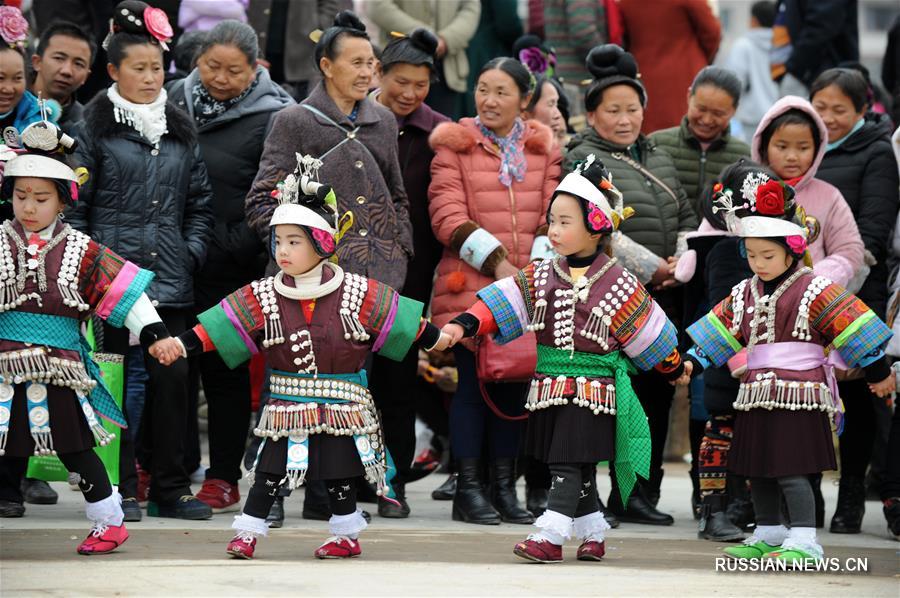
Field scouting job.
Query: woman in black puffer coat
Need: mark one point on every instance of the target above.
(148, 199)
(860, 162)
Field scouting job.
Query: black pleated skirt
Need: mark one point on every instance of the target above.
(570, 434)
(68, 426)
(330, 457)
(778, 443)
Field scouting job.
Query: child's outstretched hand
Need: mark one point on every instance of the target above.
(886, 387)
(685, 377)
(455, 333)
(442, 343)
(166, 350)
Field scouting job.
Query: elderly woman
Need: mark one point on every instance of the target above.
(647, 177)
(355, 138)
(232, 101)
(492, 177)
(407, 67)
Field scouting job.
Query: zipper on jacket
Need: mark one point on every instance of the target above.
(700, 181)
(515, 227)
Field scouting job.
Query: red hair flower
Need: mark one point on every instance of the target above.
(598, 220)
(770, 199)
(717, 188)
(157, 24)
(324, 239)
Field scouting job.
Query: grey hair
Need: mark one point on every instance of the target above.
(232, 33)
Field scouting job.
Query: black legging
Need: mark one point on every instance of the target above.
(341, 495)
(94, 484)
(573, 489)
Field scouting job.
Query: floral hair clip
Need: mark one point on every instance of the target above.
(538, 61)
(13, 27)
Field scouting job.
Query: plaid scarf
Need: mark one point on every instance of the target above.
(512, 158)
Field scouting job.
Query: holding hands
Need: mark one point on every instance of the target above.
(453, 332)
(685, 377)
(166, 350)
(886, 387)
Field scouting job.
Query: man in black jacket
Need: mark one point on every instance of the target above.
(61, 65)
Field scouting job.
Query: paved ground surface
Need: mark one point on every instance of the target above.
(427, 554)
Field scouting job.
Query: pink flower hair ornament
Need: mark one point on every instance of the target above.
(13, 27)
(796, 243)
(599, 222)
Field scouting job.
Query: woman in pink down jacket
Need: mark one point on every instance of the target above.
(492, 177)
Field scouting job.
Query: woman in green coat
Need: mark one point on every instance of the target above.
(648, 180)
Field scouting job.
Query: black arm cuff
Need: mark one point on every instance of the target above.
(674, 374)
(468, 322)
(877, 370)
(430, 336)
(152, 333)
(191, 342)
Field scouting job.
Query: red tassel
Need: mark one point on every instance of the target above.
(456, 282)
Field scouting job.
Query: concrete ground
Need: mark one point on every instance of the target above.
(427, 554)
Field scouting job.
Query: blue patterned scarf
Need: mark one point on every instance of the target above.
(512, 158)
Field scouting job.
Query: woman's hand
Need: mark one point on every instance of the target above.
(505, 269)
(453, 332)
(886, 387)
(662, 273)
(443, 343)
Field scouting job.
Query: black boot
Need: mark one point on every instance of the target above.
(714, 524)
(815, 480)
(696, 504)
(275, 518)
(469, 503)
(851, 506)
(610, 517)
(447, 490)
(536, 500)
(503, 492)
(638, 509)
(38, 492)
(892, 516)
(740, 507)
(391, 510)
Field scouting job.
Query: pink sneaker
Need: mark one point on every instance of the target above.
(103, 539)
(538, 550)
(338, 547)
(242, 545)
(591, 550)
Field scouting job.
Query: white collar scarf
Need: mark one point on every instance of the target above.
(309, 284)
(148, 120)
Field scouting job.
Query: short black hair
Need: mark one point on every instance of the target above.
(851, 82)
(794, 116)
(764, 13)
(522, 77)
(67, 29)
(720, 78)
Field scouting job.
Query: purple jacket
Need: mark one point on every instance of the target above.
(203, 15)
(838, 251)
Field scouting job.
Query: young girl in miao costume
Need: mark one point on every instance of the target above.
(317, 326)
(594, 324)
(797, 327)
(52, 278)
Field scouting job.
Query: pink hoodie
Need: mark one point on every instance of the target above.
(838, 251)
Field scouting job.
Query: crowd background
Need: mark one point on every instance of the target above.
(441, 94)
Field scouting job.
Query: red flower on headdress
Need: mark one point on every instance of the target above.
(770, 199)
(157, 24)
(13, 26)
(324, 239)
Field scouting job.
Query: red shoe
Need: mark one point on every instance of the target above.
(539, 550)
(221, 496)
(428, 460)
(591, 550)
(103, 539)
(338, 547)
(242, 545)
(143, 486)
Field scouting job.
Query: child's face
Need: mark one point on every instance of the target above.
(767, 259)
(791, 151)
(36, 203)
(294, 252)
(568, 233)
